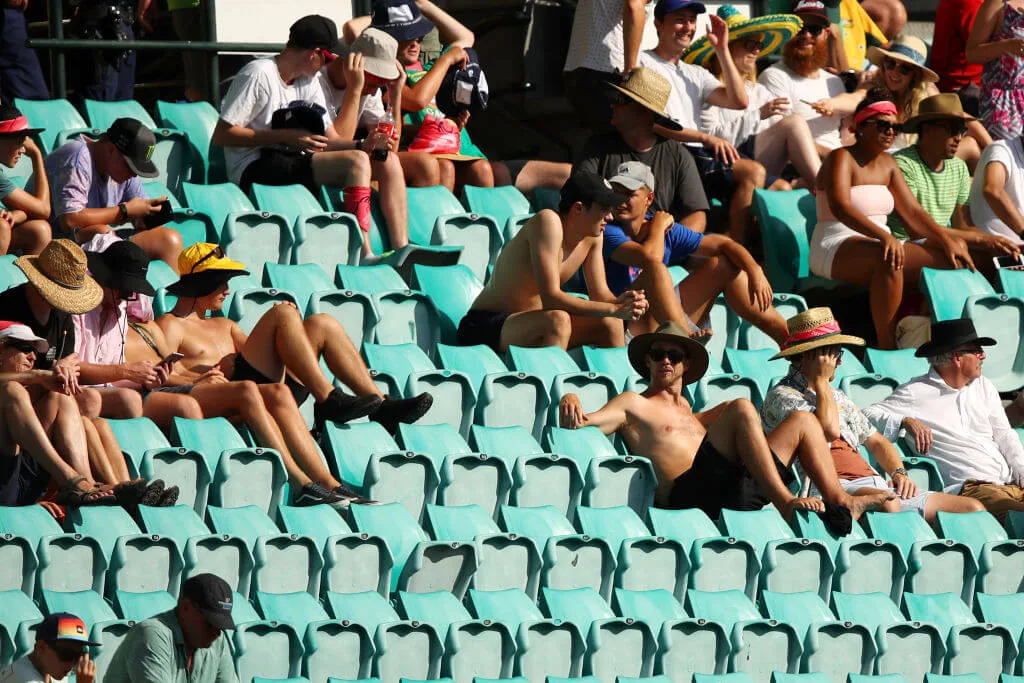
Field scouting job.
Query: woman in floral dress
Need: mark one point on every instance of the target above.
(997, 41)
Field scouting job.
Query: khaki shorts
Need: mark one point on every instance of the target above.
(998, 499)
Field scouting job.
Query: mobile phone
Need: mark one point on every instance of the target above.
(172, 358)
(164, 215)
(1009, 262)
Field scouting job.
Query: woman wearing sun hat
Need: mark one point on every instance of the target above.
(761, 131)
(815, 349)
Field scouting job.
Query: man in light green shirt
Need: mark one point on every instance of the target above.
(184, 645)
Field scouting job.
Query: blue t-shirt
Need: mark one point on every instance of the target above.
(680, 243)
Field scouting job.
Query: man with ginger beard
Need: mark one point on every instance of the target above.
(801, 78)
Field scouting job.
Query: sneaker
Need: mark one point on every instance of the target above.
(352, 496)
(437, 136)
(340, 407)
(403, 410)
(316, 494)
(169, 497)
(151, 496)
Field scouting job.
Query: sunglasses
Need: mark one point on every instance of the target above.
(954, 129)
(886, 127)
(674, 355)
(20, 346)
(67, 654)
(752, 45)
(218, 253)
(814, 30)
(904, 68)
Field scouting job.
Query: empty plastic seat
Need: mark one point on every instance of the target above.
(1001, 317)
(286, 579)
(987, 649)
(546, 362)
(321, 238)
(759, 646)
(319, 522)
(544, 647)
(1000, 561)
(900, 364)
(757, 365)
(178, 522)
(17, 564)
(336, 650)
(933, 565)
(365, 456)
(715, 388)
(502, 203)
(571, 560)
(31, 522)
(452, 289)
(197, 120)
(467, 478)
(832, 647)
(17, 614)
(421, 565)
(868, 388)
(504, 560)
(54, 116)
(539, 478)
(788, 564)
(948, 291)
(407, 315)
(144, 575)
(653, 607)
(104, 523)
(230, 558)
(1006, 610)
(643, 561)
(615, 646)
(266, 649)
(357, 563)
(503, 398)
(71, 577)
(613, 362)
(248, 522)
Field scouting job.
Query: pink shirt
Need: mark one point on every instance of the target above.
(100, 333)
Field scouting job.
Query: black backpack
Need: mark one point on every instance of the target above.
(463, 89)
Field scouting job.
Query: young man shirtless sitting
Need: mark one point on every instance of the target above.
(523, 303)
(720, 458)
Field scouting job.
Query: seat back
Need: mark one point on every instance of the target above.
(197, 120)
(786, 219)
(948, 290)
(54, 116)
(452, 289)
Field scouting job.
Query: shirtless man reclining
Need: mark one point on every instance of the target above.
(280, 358)
(523, 303)
(720, 458)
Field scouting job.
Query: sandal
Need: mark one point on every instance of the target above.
(70, 495)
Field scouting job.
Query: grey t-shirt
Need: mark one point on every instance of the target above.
(678, 188)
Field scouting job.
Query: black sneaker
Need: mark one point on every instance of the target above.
(353, 497)
(340, 407)
(153, 493)
(316, 494)
(169, 497)
(402, 410)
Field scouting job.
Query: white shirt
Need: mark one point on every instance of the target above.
(971, 437)
(1010, 153)
(692, 85)
(738, 125)
(255, 94)
(23, 671)
(597, 41)
(782, 81)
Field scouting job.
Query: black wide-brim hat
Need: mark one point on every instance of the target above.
(122, 266)
(697, 355)
(203, 283)
(949, 335)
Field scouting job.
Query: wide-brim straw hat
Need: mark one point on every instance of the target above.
(697, 355)
(812, 329)
(939, 107)
(777, 30)
(907, 49)
(650, 90)
(60, 274)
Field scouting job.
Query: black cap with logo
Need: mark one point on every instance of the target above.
(137, 143)
(314, 31)
(212, 597)
(590, 188)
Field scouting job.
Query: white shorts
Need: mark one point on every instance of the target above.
(826, 239)
(851, 486)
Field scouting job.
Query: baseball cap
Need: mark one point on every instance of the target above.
(668, 6)
(212, 597)
(811, 8)
(590, 188)
(633, 175)
(137, 143)
(63, 627)
(315, 32)
(10, 330)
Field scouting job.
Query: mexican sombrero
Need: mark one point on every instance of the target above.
(776, 29)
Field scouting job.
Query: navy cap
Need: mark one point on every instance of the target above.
(401, 19)
(667, 6)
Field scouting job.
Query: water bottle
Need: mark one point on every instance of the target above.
(385, 129)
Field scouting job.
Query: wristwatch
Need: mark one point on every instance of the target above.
(899, 470)
(122, 216)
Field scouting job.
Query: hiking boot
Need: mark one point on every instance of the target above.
(340, 407)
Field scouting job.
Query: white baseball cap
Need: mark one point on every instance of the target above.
(633, 175)
(20, 332)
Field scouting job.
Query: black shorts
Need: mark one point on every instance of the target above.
(23, 481)
(171, 389)
(717, 176)
(245, 371)
(278, 167)
(713, 482)
(482, 327)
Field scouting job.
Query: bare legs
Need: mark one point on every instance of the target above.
(30, 237)
(789, 140)
(393, 202)
(890, 15)
(160, 244)
(747, 175)
(859, 262)
(558, 328)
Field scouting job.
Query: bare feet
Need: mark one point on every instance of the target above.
(794, 504)
(862, 503)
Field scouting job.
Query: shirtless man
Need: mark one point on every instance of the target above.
(523, 303)
(720, 458)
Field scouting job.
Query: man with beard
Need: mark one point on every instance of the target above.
(801, 78)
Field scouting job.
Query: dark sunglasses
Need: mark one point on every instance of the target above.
(954, 128)
(21, 346)
(814, 30)
(886, 127)
(218, 253)
(902, 67)
(753, 44)
(67, 654)
(674, 355)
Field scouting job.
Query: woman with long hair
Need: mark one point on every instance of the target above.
(858, 187)
(997, 41)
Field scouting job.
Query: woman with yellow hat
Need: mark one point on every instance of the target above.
(762, 131)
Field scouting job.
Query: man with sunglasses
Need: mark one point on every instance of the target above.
(61, 648)
(800, 75)
(719, 458)
(940, 180)
(954, 416)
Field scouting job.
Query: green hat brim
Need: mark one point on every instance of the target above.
(777, 29)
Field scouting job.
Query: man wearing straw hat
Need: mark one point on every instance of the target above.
(639, 106)
(815, 349)
(720, 458)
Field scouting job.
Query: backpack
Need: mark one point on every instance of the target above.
(463, 89)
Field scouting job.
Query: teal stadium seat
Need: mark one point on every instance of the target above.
(948, 291)
(786, 220)
(266, 649)
(144, 575)
(197, 120)
(178, 523)
(318, 522)
(452, 289)
(437, 218)
(54, 116)
(17, 614)
(613, 362)
(406, 315)
(248, 523)
(900, 364)
(10, 274)
(31, 522)
(229, 557)
(103, 523)
(868, 388)
(502, 203)
(336, 650)
(1000, 560)
(17, 564)
(653, 607)
(1006, 610)
(287, 579)
(72, 576)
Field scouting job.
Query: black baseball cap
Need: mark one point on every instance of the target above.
(63, 627)
(122, 266)
(314, 31)
(212, 597)
(137, 143)
(590, 188)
